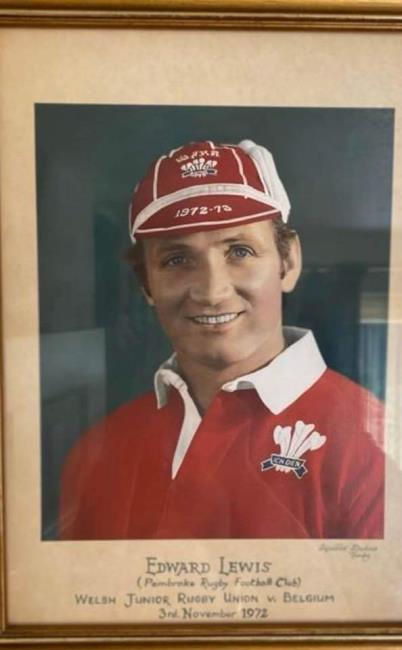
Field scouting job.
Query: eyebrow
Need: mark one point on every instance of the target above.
(172, 245)
(165, 247)
(240, 237)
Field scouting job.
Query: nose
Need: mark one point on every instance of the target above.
(211, 283)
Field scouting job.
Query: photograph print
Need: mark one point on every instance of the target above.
(213, 289)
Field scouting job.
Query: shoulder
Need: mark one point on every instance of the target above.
(114, 433)
(347, 391)
(340, 383)
(352, 406)
(137, 411)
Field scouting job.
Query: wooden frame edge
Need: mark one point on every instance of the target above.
(225, 14)
(350, 15)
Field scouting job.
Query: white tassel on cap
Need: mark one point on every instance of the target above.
(266, 166)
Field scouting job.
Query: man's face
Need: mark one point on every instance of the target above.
(218, 294)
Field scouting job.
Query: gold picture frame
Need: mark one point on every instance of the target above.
(21, 24)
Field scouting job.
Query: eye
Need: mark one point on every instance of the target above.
(240, 251)
(175, 260)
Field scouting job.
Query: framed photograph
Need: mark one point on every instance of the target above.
(201, 308)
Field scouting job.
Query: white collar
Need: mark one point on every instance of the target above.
(278, 384)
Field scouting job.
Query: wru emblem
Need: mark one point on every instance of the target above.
(292, 447)
(199, 168)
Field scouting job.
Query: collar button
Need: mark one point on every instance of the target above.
(230, 387)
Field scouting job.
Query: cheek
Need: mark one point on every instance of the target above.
(163, 288)
(263, 289)
(269, 306)
(166, 303)
(168, 298)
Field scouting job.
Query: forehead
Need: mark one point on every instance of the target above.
(260, 233)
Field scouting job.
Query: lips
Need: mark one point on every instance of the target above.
(215, 319)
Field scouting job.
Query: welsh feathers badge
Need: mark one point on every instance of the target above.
(293, 445)
(199, 168)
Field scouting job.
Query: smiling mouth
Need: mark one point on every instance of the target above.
(215, 319)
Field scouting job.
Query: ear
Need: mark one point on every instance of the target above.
(147, 296)
(292, 266)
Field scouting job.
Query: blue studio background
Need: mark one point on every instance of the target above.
(100, 343)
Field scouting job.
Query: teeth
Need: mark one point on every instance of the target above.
(213, 320)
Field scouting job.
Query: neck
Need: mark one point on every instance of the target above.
(204, 381)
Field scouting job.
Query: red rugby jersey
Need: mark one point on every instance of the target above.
(117, 482)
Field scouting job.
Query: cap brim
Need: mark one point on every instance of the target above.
(203, 213)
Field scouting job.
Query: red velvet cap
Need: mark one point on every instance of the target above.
(204, 185)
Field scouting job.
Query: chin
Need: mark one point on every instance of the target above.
(219, 359)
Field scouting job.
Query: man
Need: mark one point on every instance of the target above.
(247, 433)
